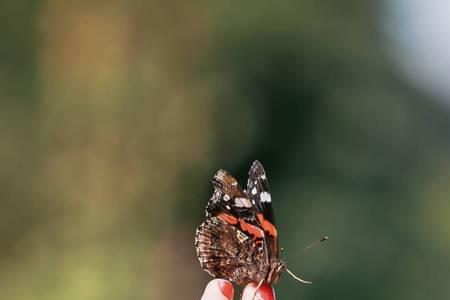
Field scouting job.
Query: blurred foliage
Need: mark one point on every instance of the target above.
(114, 117)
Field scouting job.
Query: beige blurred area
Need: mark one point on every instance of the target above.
(119, 116)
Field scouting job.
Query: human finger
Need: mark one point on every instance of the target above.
(218, 289)
(265, 292)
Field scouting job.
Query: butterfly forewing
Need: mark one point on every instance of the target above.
(229, 198)
(258, 191)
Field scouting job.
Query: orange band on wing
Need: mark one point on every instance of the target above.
(228, 218)
(267, 226)
(255, 231)
(252, 229)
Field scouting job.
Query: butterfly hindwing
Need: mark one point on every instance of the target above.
(224, 251)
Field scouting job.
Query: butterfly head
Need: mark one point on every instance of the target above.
(276, 268)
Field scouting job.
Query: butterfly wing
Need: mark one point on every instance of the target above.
(224, 251)
(229, 198)
(230, 243)
(258, 191)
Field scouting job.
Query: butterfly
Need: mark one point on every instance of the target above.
(239, 239)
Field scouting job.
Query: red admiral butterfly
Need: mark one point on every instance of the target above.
(239, 239)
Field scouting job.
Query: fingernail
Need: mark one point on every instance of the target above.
(226, 288)
(266, 292)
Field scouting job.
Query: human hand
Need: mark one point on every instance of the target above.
(220, 289)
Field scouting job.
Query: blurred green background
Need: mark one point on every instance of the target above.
(114, 116)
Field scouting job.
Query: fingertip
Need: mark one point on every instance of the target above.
(265, 292)
(226, 288)
(218, 289)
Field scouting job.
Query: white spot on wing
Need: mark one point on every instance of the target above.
(263, 176)
(265, 197)
(228, 207)
(226, 197)
(242, 202)
(241, 236)
(254, 191)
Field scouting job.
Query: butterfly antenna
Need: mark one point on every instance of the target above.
(297, 278)
(313, 244)
(323, 239)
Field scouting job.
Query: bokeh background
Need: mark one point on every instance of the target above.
(115, 115)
